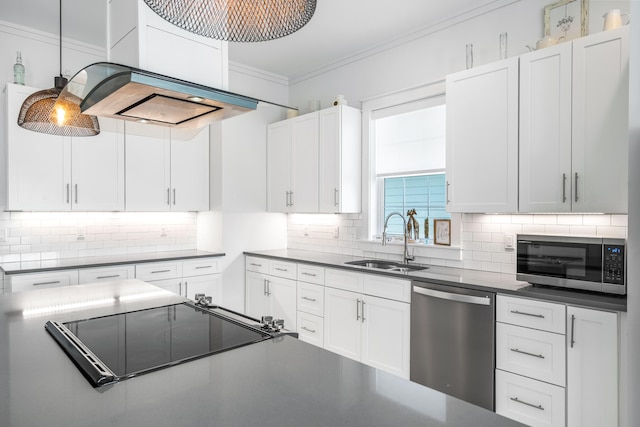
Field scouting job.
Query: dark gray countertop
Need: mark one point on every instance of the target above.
(280, 382)
(472, 279)
(100, 261)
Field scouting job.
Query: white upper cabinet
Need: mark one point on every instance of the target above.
(292, 165)
(167, 170)
(340, 160)
(574, 126)
(55, 173)
(600, 127)
(482, 138)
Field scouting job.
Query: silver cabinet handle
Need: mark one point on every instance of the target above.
(304, 273)
(515, 399)
(541, 316)
(573, 323)
(68, 193)
(54, 282)
(108, 277)
(363, 318)
(186, 288)
(75, 187)
(358, 309)
(447, 194)
(516, 350)
(267, 291)
(168, 196)
(264, 286)
(160, 271)
(268, 287)
(180, 288)
(313, 331)
(174, 196)
(308, 299)
(203, 266)
(281, 269)
(288, 203)
(255, 265)
(564, 188)
(576, 185)
(470, 299)
(291, 198)
(335, 197)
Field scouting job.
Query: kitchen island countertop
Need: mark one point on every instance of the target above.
(279, 382)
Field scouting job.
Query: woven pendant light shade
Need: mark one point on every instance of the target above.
(236, 20)
(39, 114)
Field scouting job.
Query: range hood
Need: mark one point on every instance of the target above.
(105, 89)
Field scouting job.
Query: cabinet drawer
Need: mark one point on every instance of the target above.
(259, 265)
(200, 267)
(531, 402)
(159, 270)
(531, 314)
(387, 287)
(530, 352)
(50, 279)
(311, 298)
(311, 328)
(311, 274)
(116, 272)
(343, 279)
(286, 270)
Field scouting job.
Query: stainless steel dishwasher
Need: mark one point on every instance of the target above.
(452, 341)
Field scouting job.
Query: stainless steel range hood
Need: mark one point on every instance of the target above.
(106, 89)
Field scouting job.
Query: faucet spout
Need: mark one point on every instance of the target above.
(407, 257)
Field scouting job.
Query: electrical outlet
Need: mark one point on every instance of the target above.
(306, 232)
(509, 241)
(336, 233)
(163, 232)
(81, 231)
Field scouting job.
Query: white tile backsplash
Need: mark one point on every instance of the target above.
(482, 237)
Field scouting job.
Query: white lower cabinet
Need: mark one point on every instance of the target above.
(112, 272)
(268, 295)
(49, 279)
(311, 328)
(592, 368)
(366, 327)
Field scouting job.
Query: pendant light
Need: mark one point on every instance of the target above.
(236, 20)
(40, 113)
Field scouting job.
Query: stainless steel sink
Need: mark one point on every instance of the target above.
(387, 265)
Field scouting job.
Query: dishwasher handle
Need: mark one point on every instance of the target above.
(469, 299)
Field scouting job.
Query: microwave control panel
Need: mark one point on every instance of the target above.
(613, 264)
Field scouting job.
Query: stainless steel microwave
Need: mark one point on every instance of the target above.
(588, 263)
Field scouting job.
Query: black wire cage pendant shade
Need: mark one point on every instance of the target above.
(43, 112)
(236, 20)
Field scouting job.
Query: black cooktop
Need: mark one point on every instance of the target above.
(120, 346)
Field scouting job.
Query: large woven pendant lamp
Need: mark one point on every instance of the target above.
(236, 20)
(39, 112)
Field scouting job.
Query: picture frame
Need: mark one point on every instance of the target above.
(442, 232)
(565, 20)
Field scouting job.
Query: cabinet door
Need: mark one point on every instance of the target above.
(38, 164)
(601, 122)
(282, 296)
(304, 142)
(97, 169)
(210, 285)
(279, 166)
(342, 322)
(49, 279)
(340, 161)
(482, 138)
(385, 335)
(545, 130)
(256, 302)
(147, 151)
(115, 272)
(592, 368)
(190, 170)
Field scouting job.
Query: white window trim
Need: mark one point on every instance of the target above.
(371, 108)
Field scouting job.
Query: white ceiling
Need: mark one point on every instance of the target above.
(339, 28)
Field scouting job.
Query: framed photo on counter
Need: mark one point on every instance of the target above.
(442, 232)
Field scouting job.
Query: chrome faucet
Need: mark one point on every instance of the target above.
(407, 257)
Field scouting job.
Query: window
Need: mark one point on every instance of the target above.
(408, 151)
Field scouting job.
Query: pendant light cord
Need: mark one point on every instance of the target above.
(60, 8)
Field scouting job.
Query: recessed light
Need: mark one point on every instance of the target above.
(143, 121)
(196, 99)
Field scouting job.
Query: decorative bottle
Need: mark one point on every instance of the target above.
(18, 70)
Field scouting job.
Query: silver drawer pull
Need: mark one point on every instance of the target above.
(515, 350)
(313, 331)
(203, 266)
(108, 277)
(255, 265)
(304, 273)
(160, 271)
(309, 299)
(515, 399)
(541, 316)
(55, 282)
(281, 269)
